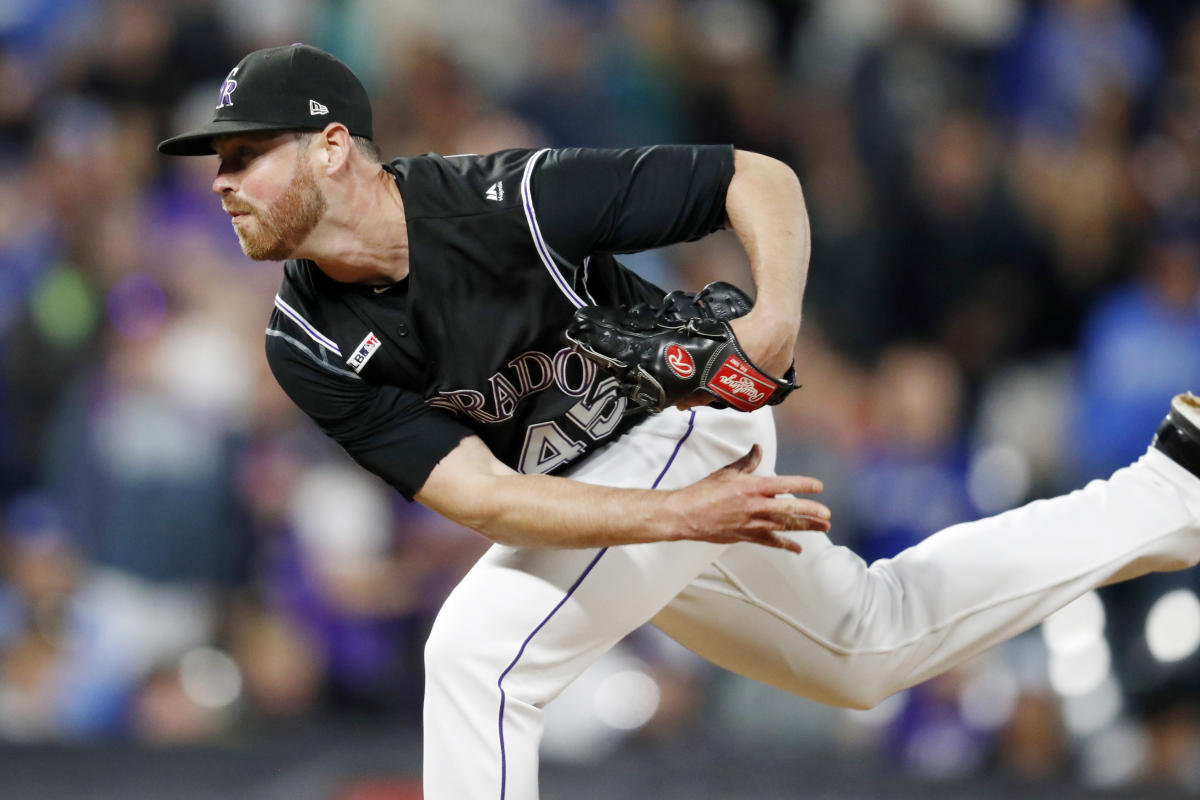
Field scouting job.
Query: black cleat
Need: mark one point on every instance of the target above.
(1179, 434)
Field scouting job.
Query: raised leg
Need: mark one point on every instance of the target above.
(826, 625)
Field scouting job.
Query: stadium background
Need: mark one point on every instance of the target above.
(199, 597)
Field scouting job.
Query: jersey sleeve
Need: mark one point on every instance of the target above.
(590, 201)
(387, 430)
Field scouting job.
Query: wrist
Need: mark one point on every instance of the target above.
(671, 521)
(775, 319)
(768, 342)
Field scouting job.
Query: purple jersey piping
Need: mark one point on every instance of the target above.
(307, 327)
(566, 597)
(538, 242)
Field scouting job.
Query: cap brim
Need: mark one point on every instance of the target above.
(199, 141)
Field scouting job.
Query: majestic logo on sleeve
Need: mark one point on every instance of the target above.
(362, 354)
(226, 96)
(680, 362)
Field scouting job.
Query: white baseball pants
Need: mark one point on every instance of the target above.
(823, 624)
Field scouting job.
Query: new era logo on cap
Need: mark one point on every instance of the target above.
(315, 108)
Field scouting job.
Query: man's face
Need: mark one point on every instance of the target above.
(267, 185)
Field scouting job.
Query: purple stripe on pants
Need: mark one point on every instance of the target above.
(566, 597)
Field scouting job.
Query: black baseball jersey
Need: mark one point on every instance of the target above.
(502, 249)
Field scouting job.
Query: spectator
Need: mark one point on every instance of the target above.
(1140, 339)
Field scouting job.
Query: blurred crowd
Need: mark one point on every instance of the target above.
(1004, 295)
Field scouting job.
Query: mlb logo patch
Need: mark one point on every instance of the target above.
(362, 354)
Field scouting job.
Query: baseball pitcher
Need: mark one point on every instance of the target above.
(462, 326)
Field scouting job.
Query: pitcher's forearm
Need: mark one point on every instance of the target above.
(730, 505)
(545, 511)
(766, 210)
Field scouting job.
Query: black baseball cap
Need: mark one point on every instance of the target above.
(297, 87)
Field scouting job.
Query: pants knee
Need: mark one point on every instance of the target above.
(865, 695)
(451, 653)
(439, 652)
(859, 689)
(464, 651)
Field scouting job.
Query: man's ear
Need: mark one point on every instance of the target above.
(336, 145)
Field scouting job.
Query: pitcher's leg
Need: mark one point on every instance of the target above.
(524, 622)
(517, 630)
(825, 625)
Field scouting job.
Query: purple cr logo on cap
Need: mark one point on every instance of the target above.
(226, 96)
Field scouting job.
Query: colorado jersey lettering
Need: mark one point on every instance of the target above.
(470, 341)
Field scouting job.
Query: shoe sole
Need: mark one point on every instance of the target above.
(1179, 434)
(1186, 408)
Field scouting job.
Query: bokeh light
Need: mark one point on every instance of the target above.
(64, 307)
(1080, 671)
(210, 677)
(988, 697)
(1076, 626)
(998, 478)
(1173, 626)
(627, 700)
(1090, 712)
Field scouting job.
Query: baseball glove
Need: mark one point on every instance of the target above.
(661, 355)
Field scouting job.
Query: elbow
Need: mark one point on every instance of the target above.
(766, 168)
(764, 191)
(489, 515)
(496, 534)
(485, 519)
(471, 488)
(469, 506)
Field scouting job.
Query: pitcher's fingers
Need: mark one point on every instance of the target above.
(793, 513)
(799, 522)
(785, 505)
(811, 508)
(788, 484)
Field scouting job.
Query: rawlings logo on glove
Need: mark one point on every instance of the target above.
(662, 355)
(735, 380)
(680, 362)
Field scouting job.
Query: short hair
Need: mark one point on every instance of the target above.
(368, 149)
(365, 147)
